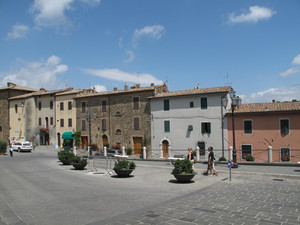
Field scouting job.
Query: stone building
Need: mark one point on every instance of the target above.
(5, 93)
(33, 117)
(66, 111)
(118, 118)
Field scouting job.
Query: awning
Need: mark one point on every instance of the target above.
(68, 135)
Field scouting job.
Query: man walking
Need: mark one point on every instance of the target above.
(11, 152)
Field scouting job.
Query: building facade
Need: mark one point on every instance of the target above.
(190, 118)
(270, 132)
(117, 118)
(5, 93)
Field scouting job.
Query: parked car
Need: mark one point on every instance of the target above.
(112, 152)
(22, 147)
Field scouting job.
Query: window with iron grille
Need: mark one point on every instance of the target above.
(83, 124)
(104, 106)
(191, 104)
(103, 123)
(136, 103)
(136, 123)
(285, 154)
(246, 151)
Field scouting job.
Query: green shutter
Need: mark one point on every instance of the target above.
(167, 126)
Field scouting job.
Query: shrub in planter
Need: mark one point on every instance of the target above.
(222, 159)
(78, 163)
(249, 158)
(129, 151)
(123, 168)
(65, 157)
(183, 170)
(3, 147)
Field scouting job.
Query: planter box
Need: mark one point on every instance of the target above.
(123, 173)
(78, 166)
(184, 178)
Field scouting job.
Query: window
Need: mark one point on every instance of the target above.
(205, 128)
(40, 121)
(83, 125)
(166, 105)
(167, 126)
(203, 103)
(16, 108)
(69, 122)
(248, 126)
(62, 123)
(201, 146)
(104, 106)
(51, 104)
(51, 120)
(40, 105)
(285, 154)
(69, 105)
(83, 107)
(191, 104)
(118, 132)
(246, 151)
(136, 123)
(103, 122)
(61, 106)
(284, 126)
(0, 128)
(135, 103)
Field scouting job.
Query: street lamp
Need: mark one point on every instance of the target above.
(235, 102)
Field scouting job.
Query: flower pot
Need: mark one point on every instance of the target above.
(78, 166)
(123, 173)
(184, 178)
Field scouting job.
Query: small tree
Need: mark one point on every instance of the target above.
(3, 147)
(77, 135)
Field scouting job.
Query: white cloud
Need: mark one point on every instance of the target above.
(38, 74)
(296, 60)
(130, 57)
(155, 32)
(255, 14)
(51, 13)
(278, 94)
(19, 31)
(290, 71)
(115, 74)
(99, 88)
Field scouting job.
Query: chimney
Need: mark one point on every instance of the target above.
(42, 89)
(126, 87)
(10, 84)
(115, 88)
(152, 84)
(273, 101)
(294, 100)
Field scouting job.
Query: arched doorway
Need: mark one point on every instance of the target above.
(165, 149)
(104, 140)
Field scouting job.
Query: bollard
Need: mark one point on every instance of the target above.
(123, 150)
(105, 151)
(74, 151)
(230, 152)
(197, 153)
(144, 153)
(270, 154)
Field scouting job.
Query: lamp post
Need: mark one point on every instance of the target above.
(235, 102)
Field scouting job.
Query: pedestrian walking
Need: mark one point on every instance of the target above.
(210, 162)
(11, 152)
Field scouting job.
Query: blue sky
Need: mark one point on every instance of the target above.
(252, 45)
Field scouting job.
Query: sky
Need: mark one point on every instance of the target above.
(254, 46)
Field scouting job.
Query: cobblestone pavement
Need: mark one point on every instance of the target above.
(244, 200)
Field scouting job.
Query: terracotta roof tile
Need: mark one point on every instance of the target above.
(195, 91)
(268, 107)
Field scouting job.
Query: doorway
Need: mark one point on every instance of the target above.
(84, 141)
(138, 145)
(165, 149)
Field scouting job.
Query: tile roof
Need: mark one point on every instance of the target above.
(17, 87)
(195, 91)
(42, 91)
(268, 107)
(130, 90)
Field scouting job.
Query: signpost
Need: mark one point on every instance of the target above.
(229, 166)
